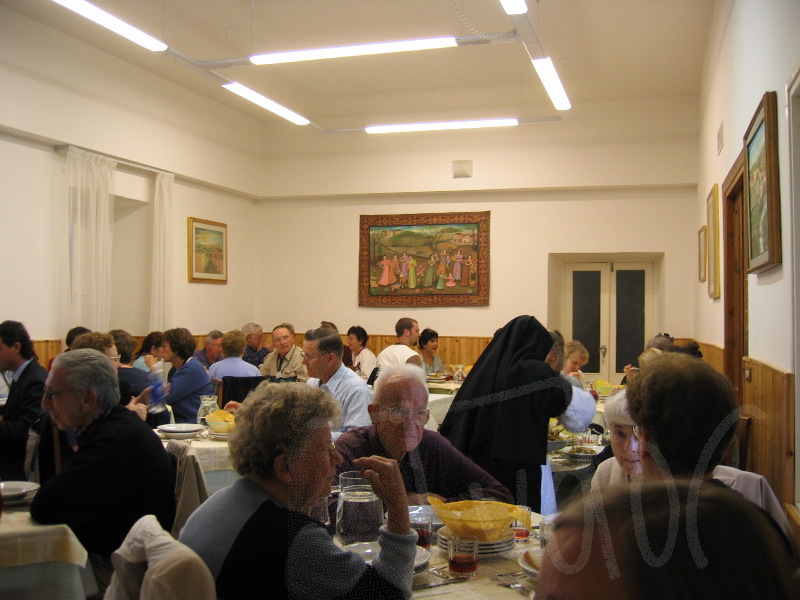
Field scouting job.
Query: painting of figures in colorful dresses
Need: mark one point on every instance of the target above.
(431, 259)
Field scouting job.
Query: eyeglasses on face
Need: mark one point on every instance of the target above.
(399, 415)
(50, 394)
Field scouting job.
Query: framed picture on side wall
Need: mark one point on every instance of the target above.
(207, 251)
(762, 187)
(702, 252)
(432, 259)
(712, 240)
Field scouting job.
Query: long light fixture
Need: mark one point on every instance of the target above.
(514, 7)
(359, 50)
(264, 102)
(547, 73)
(109, 21)
(405, 127)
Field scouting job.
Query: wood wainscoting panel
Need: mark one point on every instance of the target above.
(713, 355)
(46, 350)
(769, 398)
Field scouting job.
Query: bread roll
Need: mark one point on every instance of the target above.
(533, 560)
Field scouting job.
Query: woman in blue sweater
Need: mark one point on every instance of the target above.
(190, 380)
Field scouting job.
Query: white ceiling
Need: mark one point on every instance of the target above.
(604, 50)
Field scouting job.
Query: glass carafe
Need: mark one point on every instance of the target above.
(208, 404)
(359, 512)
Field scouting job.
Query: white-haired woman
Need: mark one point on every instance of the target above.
(624, 444)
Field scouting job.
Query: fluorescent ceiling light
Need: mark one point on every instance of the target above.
(109, 21)
(514, 7)
(361, 50)
(264, 102)
(547, 73)
(440, 126)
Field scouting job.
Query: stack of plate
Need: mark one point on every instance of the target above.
(16, 492)
(487, 549)
(180, 431)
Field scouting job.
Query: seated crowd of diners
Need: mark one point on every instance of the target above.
(664, 518)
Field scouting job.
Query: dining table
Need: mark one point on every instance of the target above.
(41, 561)
(481, 585)
(214, 456)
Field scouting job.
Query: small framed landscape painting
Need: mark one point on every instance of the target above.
(762, 187)
(432, 259)
(207, 251)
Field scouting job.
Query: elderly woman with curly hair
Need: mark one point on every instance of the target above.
(256, 536)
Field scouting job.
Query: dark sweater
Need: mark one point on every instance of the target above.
(120, 473)
(435, 466)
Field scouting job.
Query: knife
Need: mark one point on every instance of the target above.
(433, 584)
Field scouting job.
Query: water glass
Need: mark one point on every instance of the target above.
(462, 556)
(547, 529)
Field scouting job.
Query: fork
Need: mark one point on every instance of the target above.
(509, 581)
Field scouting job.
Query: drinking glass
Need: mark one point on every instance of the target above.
(462, 556)
(522, 529)
(422, 523)
(359, 511)
(546, 529)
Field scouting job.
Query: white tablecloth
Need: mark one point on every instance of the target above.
(215, 460)
(41, 561)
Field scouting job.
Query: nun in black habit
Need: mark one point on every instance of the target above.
(499, 417)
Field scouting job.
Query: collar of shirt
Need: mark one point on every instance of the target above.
(91, 426)
(18, 372)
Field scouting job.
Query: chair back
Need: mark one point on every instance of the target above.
(236, 389)
(191, 489)
(743, 438)
(151, 564)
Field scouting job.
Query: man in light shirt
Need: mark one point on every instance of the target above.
(322, 356)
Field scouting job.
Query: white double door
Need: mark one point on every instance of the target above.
(609, 308)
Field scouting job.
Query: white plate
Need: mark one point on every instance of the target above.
(493, 548)
(180, 431)
(582, 457)
(16, 491)
(529, 570)
(437, 379)
(369, 550)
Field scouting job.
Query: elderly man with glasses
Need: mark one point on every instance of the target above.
(120, 471)
(429, 463)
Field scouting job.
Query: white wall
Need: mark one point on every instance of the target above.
(318, 279)
(27, 189)
(754, 48)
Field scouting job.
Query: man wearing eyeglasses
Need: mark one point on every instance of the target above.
(322, 357)
(25, 392)
(429, 463)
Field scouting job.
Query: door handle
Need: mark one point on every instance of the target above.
(603, 351)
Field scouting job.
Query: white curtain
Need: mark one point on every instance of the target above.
(161, 287)
(90, 204)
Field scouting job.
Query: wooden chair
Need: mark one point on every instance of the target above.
(235, 389)
(736, 456)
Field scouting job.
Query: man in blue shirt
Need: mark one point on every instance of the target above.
(322, 356)
(212, 351)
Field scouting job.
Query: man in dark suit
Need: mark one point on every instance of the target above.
(23, 406)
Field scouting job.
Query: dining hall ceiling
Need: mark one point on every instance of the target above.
(603, 50)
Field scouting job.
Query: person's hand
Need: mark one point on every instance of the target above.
(232, 407)
(420, 499)
(135, 406)
(630, 372)
(384, 476)
(150, 361)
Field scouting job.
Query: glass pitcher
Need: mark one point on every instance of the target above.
(359, 511)
(208, 404)
(459, 375)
